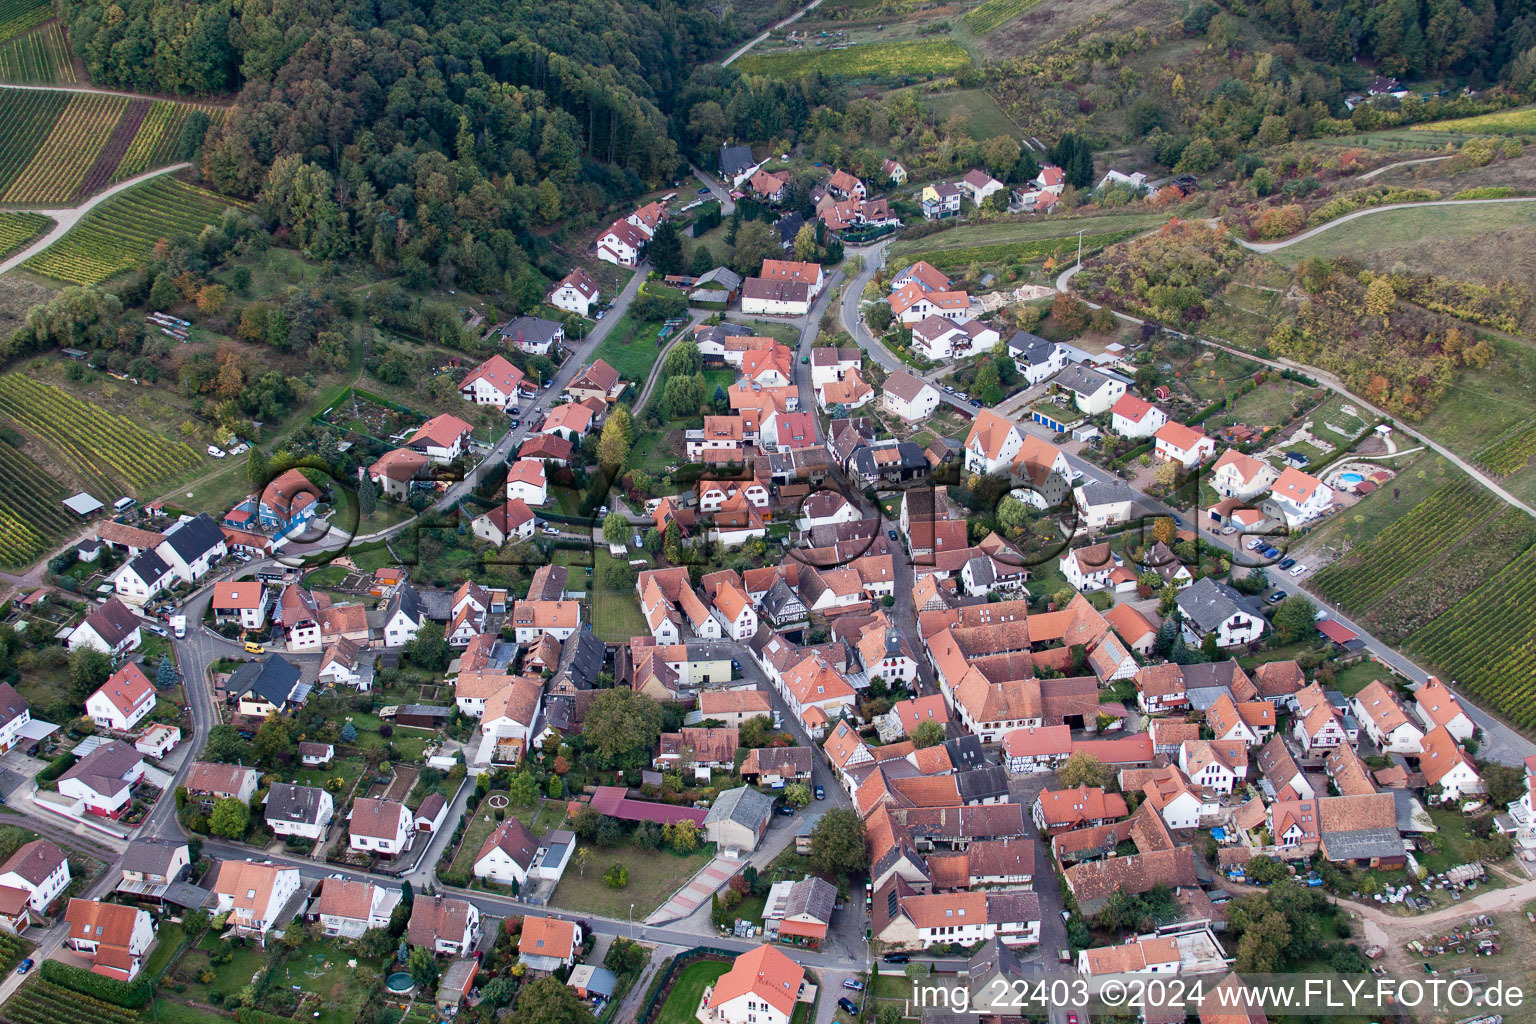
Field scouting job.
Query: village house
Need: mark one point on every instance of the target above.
(596, 380)
(575, 293)
(1298, 498)
(379, 826)
(256, 896)
(1212, 607)
(446, 926)
(114, 937)
(548, 943)
(245, 602)
(1135, 417)
(533, 334)
(301, 811)
(1240, 476)
(123, 700)
(1187, 446)
(1384, 720)
(441, 439)
(348, 907)
(34, 876)
(1436, 707)
(941, 200)
(111, 629)
(397, 473)
(103, 780)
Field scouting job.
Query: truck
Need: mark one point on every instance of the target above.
(178, 624)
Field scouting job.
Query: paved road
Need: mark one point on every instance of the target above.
(64, 219)
(719, 191)
(771, 29)
(1273, 246)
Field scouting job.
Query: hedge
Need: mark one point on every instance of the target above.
(58, 766)
(246, 1015)
(130, 995)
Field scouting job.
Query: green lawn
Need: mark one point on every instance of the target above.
(1265, 405)
(1380, 239)
(689, 988)
(321, 968)
(1351, 680)
(1341, 413)
(615, 613)
(1001, 232)
(653, 877)
(481, 824)
(229, 978)
(987, 119)
(166, 941)
(630, 348)
(1414, 482)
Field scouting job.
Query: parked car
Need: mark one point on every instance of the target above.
(891, 534)
(1255, 543)
(948, 390)
(703, 191)
(25, 966)
(515, 424)
(1287, 562)
(216, 451)
(848, 1006)
(962, 396)
(821, 794)
(1270, 552)
(976, 402)
(1276, 597)
(897, 958)
(1066, 915)
(786, 810)
(1298, 570)
(853, 983)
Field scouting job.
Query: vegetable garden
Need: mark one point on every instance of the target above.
(1424, 534)
(1509, 454)
(17, 229)
(17, 16)
(38, 58)
(119, 234)
(31, 514)
(42, 1002)
(69, 151)
(90, 439)
(996, 12)
(917, 58)
(1486, 642)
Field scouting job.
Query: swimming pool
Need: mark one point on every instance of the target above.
(1350, 478)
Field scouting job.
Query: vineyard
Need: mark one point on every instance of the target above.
(1486, 641)
(58, 147)
(119, 234)
(1505, 122)
(31, 516)
(17, 16)
(42, 1002)
(1424, 534)
(38, 58)
(996, 12)
(69, 151)
(915, 58)
(90, 440)
(1017, 252)
(1511, 453)
(17, 229)
(12, 949)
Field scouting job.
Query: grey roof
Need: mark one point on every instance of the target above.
(424, 711)
(1083, 380)
(1030, 348)
(1208, 603)
(82, 504)
(1210, 673)
(808, 822)
(1202, 697)
(149, 565)
(811, 895)
(405, 600)
(780, 599)
(531, 328)
(185, 894)
(273, 680)
(1107, 492)
(775, 290)
(965, 752)
(982, 783)
(103, 768)
(1363, 843)
(287, 802)
(587, 662)
(789, 226)
(982, 574)
(596, 980)
(736, 160)
(436, 605)
(151, 856)
(195, 537)
(743, 805)
(113, 621)
(723, 276)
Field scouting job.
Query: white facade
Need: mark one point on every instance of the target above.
(919, 407)
(107, 715)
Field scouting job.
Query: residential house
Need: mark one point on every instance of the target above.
(301, 811)
(1240, 476)
(1062, 810)
(548, 943)
(732, 708)
(1093, 391)
(114, 937)
(444, 925)
(1448, 768)
(288, 501)
(894, 172)
(1316, 725)
(35, 875)
(978, 185)
(533, 334)
(1036, 748)
(208, 782)
(533, 619)
(783, 298)
(142, 577)
(571, 421)
(1133, 627)
(1135, 417)
(1298, 498)
(737, 164)
(123, 700)
(262, 688)
(1036, 359)
(510, 522)
(192, 547)
(103, 780)
(495, 382)
(507, 854)
(1212, 607)
(941, 200)
(737, 820)
(699, 748)
(397, 473)
(597, 380)
(256, 896)
(1188, 446)
(575, 293)
(1384, 720)
(441, 439)
(1215, 765)
(403, 616)
(1104, 503)
(149, 866)
(380, 826)
(762, 987)
(246, 603)
(1173, 797)
(1436, 707)
(111, 629)
(912, 305)
(622, 244)
(348, 907)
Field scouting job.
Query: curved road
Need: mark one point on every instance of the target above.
(1368, 175)
(1273, 246)
(769, 31)
(68, 218)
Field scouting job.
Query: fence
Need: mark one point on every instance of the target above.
(683, 960)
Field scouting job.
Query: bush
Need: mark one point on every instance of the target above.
(616, 877)
(129, 995)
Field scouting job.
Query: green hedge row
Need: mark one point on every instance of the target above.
(130, 995)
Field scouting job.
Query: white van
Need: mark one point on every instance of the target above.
(124, 503)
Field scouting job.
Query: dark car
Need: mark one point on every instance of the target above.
(25, 966)
(703, 191)
(786, 810)
(897, 958)
(1277, 597)
(891, 534)
(976, 402)
(847, 1005)
(736, 664)
(821, 794)
(1287, 562)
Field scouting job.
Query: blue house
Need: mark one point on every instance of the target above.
(288, 502)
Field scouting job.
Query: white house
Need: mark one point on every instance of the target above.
(511, 521)
(1147, 954)
(444, 925)
(910, 397)
(379, 826)
(302, 811)
(1435, 706)
(246, 603)
(111, 629)
(1385, 721)
(402, 617)
(1447, 766)
(38, 868)
(1240, 476)
(1092, 390)
(441, 439)
(1035, 358)
(494, 382)
(103, 780)
(1300, 498)
(507, 854)
(778, 297)
(1088, 569)
(1104, 502)
(1135, 417)
(254, 895)
(937, 337)
(978, 185)
(993, 444)
(123, 700)
(114, 936)
(526, 480)
(142, 577)
(762, 987)
(348, 907)
(621, 244)
(1184, 445)
(912, 305)
(192, 546)
(1210, 606)
(1212, 765)
(733, 608)
(1172, 796)
(576, 293)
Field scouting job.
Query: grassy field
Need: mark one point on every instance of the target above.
(987, 119)
(906, 59)
(481, 824)
(630, 348)
(1356, 527)
(615, 613)
(688, 989)
(1487, 402)
(1018, 241)
(1341, 413)
(1521, 121)
(40, 57)
(118, 235)
(654, 876)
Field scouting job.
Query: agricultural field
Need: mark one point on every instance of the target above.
(42, 1002)
(18, 16)
(1488, 401)
(911, 58)
(17, 229)
(38, 58)
(1510, 453)
(32, 517)
(1505, 122)
(90, 440)
(26, 118)
(1001, 253)
(1430, 528)
(1483, 641)
(68, 153)
(159, 141)
(994, 13)
(986, 119)
(118, 234)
